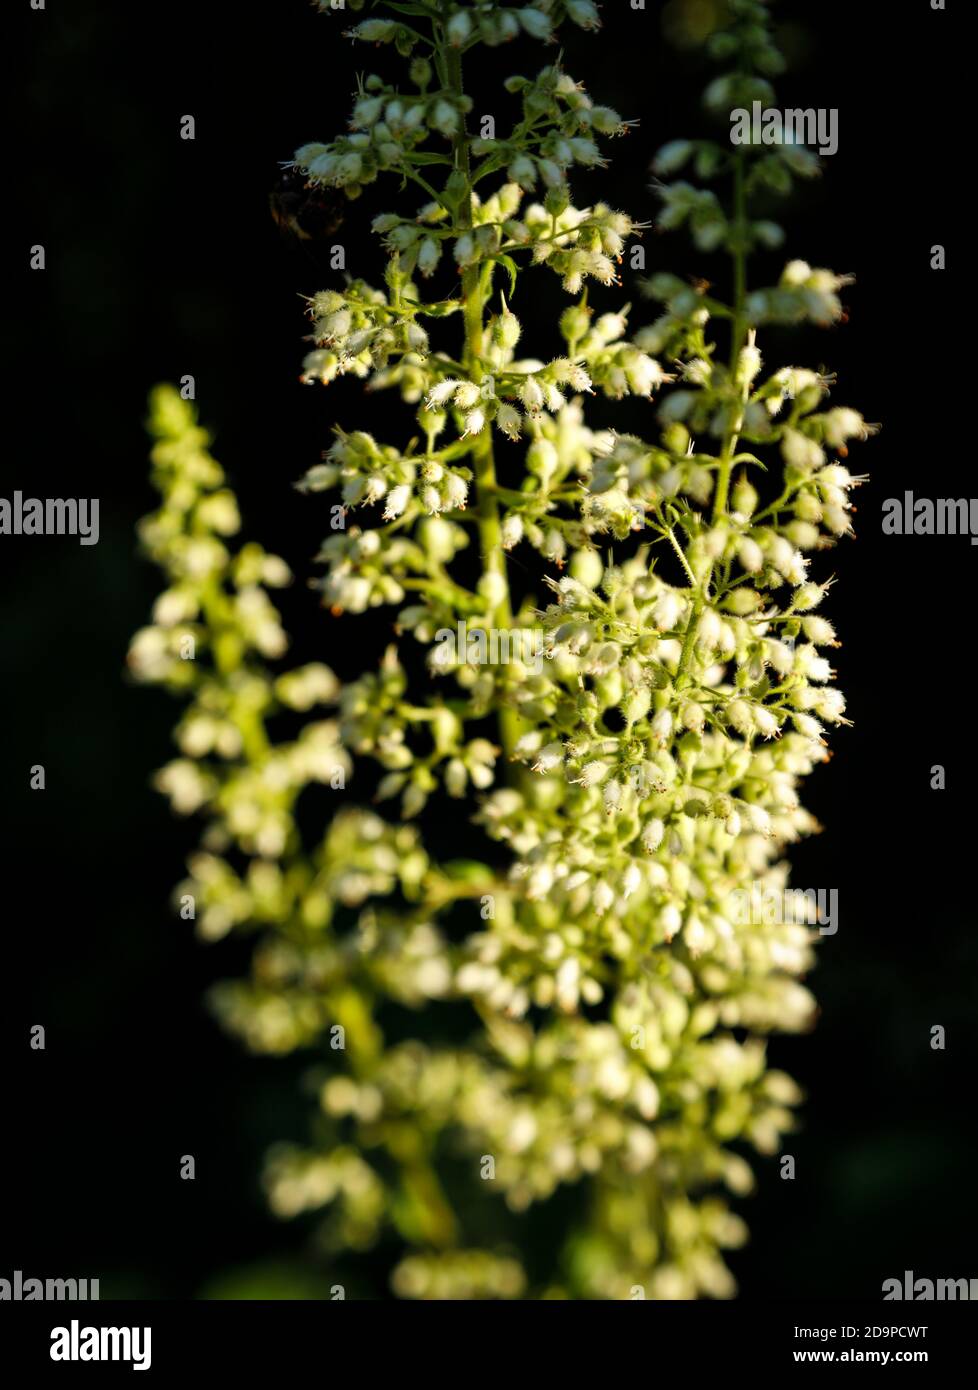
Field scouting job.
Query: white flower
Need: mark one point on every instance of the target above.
(652, 835)
(593, 774)
(531, 394)
(475, 421)
(509, 420)
(766, 722)
(441, 392)
(397, 500)
(644, 374)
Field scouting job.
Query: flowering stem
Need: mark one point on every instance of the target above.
(475, 291)
(738, 332)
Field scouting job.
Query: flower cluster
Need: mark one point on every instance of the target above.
(558, 130)
(581, 1001)
(212, 629)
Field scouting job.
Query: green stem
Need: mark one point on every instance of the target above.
(738, 336)
(681, 555)
(475, 291)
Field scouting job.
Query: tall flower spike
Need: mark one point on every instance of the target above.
(584, 999)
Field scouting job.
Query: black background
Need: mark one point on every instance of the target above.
(162, 260)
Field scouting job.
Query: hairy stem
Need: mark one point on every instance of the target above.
(476, 287)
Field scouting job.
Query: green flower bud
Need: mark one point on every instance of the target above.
(420, 72)
(542, 458)
(807, 597)
(436, 536)
(505, 329)
(375, 30)
(587, 568)
(744, 497)
(637, 704)
(557, 198)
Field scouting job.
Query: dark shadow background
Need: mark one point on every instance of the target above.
(162, 259)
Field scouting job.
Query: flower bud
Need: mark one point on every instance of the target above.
(667, 610)
(348, 169)
(802, 534)
(819, 631)
(509, 420)
(428, 256)
(586, 567)
(536, 23)
(695, 934)
(459, 28)
(555, 548)
(750, 555)
(739, 716)
(465, 250)
(492, 587)
(692, 716)
(661, 726)
(456, 777)
(531, 394)
(670, 920)
(837, 520)
(444, 118)
(456, 187)
(636, 704)
(806, 725)
(801, 452)
(672, 156)
(744, 497)
(807, 597)
(574, 322)
(436, 537)
(375, 30)
(523, 171)
(542, 459)
(583, 13)
(505, 329)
